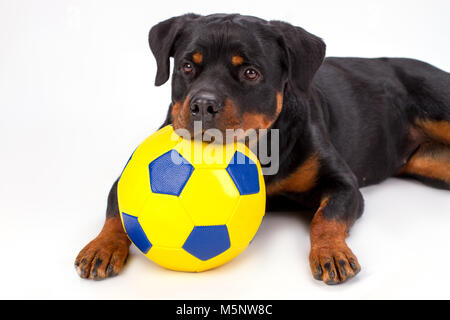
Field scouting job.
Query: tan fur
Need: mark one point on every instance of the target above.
(436, 130)
(197, 57)
(229, 116)
(252, 120)
(180, 114)
(326, 230)
(255, 121)
(237, 60)
(301, 180)
(279, 102)
(431, 160)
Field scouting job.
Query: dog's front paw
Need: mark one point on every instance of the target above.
(333, 263)
(103, 257)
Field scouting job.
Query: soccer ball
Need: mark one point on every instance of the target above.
(189, 206)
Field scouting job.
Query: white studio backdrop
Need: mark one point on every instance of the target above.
(77, 96)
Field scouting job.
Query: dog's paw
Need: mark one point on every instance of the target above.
(333, 263)
(103, 257)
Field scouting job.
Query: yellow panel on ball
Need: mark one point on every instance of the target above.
(173, 259)
(210, 197)
(243, 225)
(133, 187)
(165, 221)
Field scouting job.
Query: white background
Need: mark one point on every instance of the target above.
(77, 96)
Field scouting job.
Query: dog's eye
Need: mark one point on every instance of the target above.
(188, 68)
(251, 74)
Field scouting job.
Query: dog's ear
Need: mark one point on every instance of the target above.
(304, 53)
(161, 39)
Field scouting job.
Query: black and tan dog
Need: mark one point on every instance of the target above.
(344, 123)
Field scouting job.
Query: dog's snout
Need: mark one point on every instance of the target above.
(205, 105)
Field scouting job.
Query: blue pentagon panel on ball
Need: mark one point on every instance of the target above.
(169, 173)
(244, 173)
(135, 232)
(206, 242)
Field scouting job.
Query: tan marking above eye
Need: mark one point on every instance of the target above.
(237, 60)
(197, 57)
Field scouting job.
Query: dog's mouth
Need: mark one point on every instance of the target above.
(212, 134)
(218, 137)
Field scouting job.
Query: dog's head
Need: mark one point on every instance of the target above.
(230, 71)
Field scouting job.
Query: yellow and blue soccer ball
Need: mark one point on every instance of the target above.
(190, 207)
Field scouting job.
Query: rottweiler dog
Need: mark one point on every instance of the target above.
(344, 123)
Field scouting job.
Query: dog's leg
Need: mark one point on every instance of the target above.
(438, 131)
(105, 256)
(430, 164)
(331, 260)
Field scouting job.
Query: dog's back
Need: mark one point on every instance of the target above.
(383, 100)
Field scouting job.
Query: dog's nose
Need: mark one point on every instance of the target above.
(205, 105)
